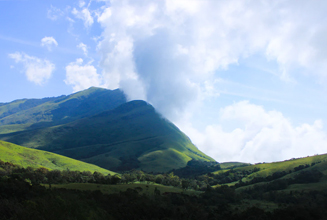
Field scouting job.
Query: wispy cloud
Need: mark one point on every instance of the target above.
(84, 15)
(83, 47)
(19, 41)
(55, 13)
(48, 42)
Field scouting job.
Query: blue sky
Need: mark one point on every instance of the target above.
(245, 80)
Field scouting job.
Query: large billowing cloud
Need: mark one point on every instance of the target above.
(169, 52)
(82, 76)
(257, 135)
(171, 49)
(37, 70)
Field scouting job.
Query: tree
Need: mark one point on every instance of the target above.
(54, 176)
(185, 184)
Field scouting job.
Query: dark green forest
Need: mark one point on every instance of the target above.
(26, 193)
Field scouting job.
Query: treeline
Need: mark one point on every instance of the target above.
(226, 177)
(45, 176)
(260, 191)
(196, 168)
(21, 200)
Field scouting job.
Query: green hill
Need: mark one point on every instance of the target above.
(266, 169)
(27, 157)
(130, 136)
(35, 113)
(308, 173)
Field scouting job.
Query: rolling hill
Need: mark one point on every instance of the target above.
(289, 170)
(130, 136)
(27, 157)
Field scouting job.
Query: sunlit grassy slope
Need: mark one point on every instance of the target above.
(267, 169)
(317, 162)
(27, 157)
(229, 165)
(25, 114)
(132, 135)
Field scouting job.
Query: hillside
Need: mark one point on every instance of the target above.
(130, 136)
(35, 113)
(27, 157)
(309, 173)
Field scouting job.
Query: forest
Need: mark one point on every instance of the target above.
(29, 193)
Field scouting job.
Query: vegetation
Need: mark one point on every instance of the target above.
(196, 168)
(26, 157)
(22, 197)
(131, 136)
(264, 172)
(162, 174)
(27, 114)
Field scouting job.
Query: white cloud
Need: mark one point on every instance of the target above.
(188, 41)
(83, 47)
(81, 4)
(84, 15)
(169, 53)
(37, 70)
(257, 135)
(48, 42)
(82, 76)
(54, 13)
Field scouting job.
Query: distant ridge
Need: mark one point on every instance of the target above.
(26, 114)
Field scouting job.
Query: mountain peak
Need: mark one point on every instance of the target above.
(98, 126)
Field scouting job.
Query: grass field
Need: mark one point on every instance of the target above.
(27, 157)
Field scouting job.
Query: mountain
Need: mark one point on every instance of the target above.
(27, 114)
(130, 136)
(27, 157)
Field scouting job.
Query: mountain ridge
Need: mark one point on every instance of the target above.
(33, 113)
(133, 135)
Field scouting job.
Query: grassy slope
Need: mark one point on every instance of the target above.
(132, 131)
(229, 165)
(25, 114)
(36, 158)
(267, 169)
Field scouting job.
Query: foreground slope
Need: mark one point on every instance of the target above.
(130, 136)
(27, 157)
(34, 113)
